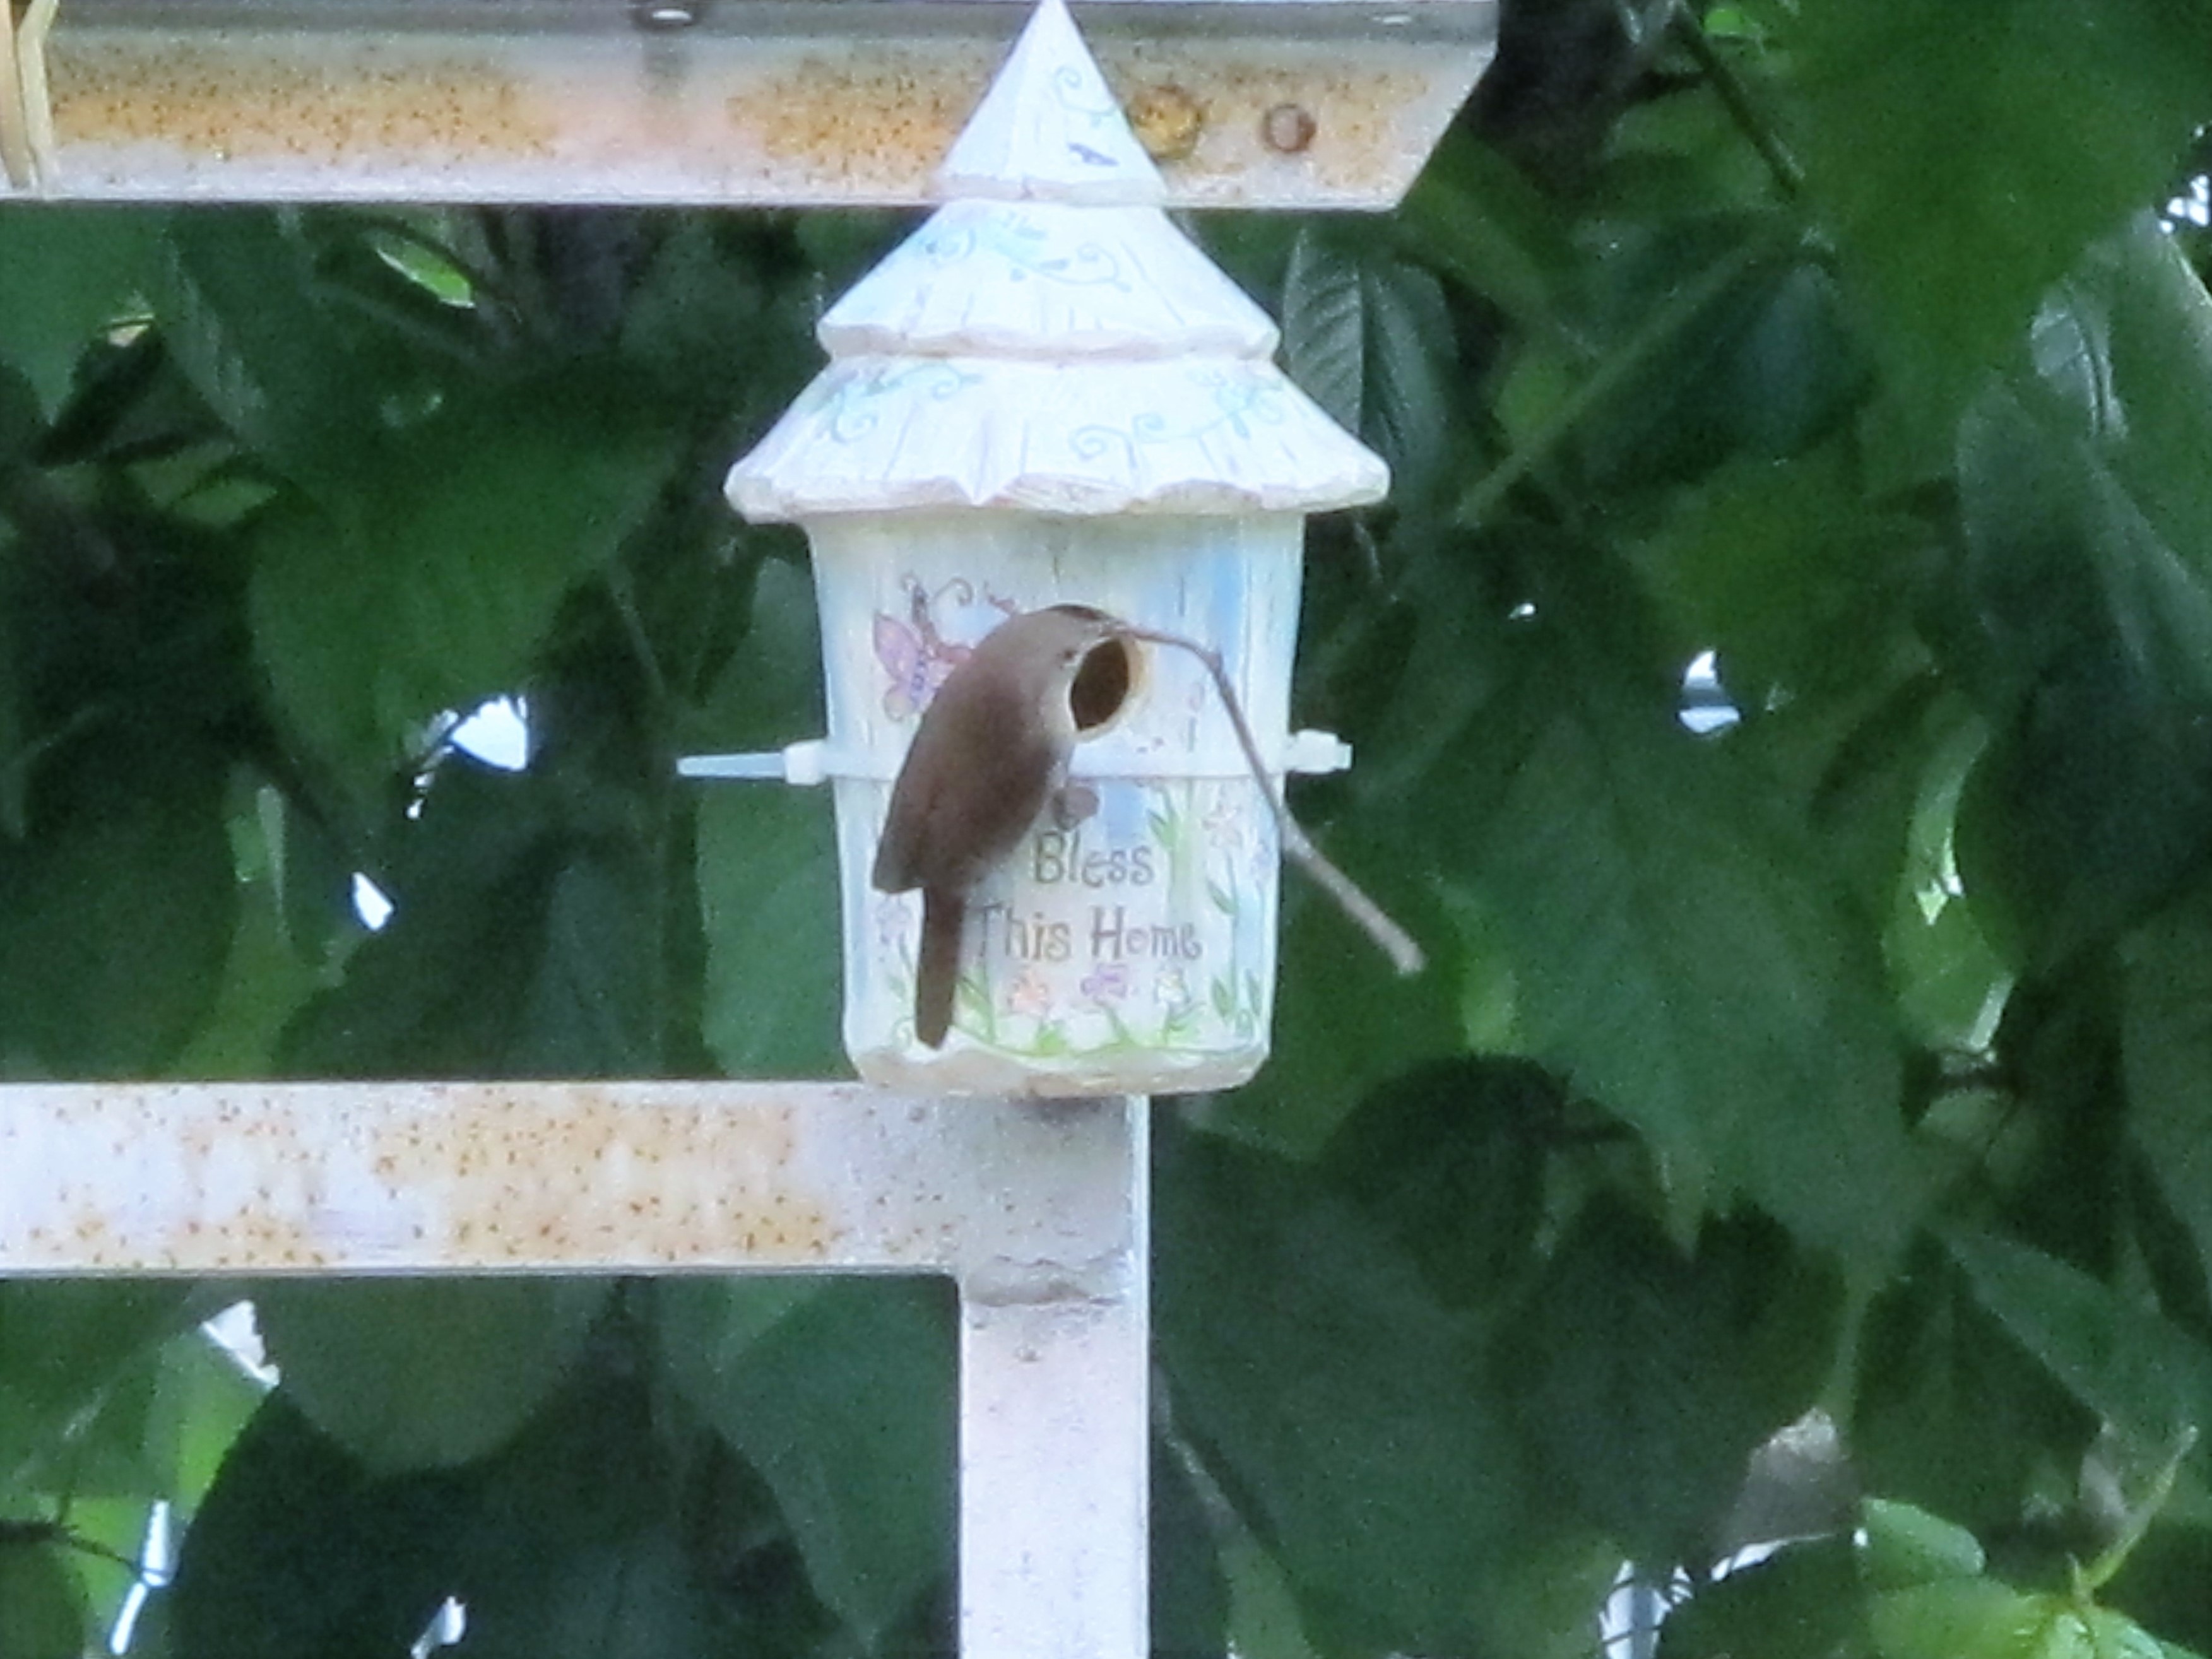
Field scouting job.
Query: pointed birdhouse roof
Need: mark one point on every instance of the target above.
(1049, 129)
(1049, 341)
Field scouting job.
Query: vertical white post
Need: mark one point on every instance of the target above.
(1054, 1429)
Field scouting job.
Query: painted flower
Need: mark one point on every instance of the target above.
(1228, 825)
(1107, 982)
(1030, 994)
(1172, 991)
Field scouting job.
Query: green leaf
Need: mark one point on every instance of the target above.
(844, 244)
(1483, 224)
(1367, 337)
(1720, 340)
(65, 272)
(419, 1374)
(568, 1544)
(1803, 1602)
(2166, 1050)
(1345, 1024)
(590, 1009)
(1326, 1386)
(637, 1596)
(1904, 1546)
(65, 1344)
(2089, 571)
(439, 991)
(1951, 982)
(434, 588)
(1449, 1159)
(156, 1429)
(1789, 573)
(1415, 692)
(203, 1400)
(2120, 1360)
(314, 583)
(1646, 1379)
(1764, 370)
(612, 1527)
(235, 304)
(117, 913)
(840, 1395)
(44, 1614)
(100, 1529)
(523, 943)
(263, 982)
(767, 856)
(2089, 523)
(1681, 157)
(313, 881)
(1679, 955)
(1982, 1619)
(1948, 1412)
(298, 1551)
(705, 322)
(2090, 580)
(769, 895)
(1263, 1614)
(1963, 158)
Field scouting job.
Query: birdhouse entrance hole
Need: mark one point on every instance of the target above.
(1103, 684)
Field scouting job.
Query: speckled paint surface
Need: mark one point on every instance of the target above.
(194, 113)
(573, 1177)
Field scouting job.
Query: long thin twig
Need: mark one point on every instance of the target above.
(1735, 98)
(1394, 941)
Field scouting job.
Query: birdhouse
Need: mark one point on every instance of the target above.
(1050, 395)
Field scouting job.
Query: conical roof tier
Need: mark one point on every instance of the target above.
(1049, 341)
(1049, 129)
(1045, 282)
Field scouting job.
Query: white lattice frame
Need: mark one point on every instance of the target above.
(1038, 1211)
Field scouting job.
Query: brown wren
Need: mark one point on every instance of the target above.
(990, 752)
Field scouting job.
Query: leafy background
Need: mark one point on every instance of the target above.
(1802, 1133)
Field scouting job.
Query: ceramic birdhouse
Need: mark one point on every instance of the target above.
(1050, 395)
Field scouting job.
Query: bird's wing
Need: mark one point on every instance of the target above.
(962, 802)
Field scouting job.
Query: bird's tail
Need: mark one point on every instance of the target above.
(937, 967)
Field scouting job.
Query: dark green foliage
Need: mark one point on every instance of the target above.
(1190, 1586)
(1803, 1603)
(1855, 1056)
(841, 1396)
(421, 1374)
(1645, 1379)
(297, 1548)
(1320, 1376)
(609, 1505)
(1449, 1159)
(1949, 1412)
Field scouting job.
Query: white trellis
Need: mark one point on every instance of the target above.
(1280, 103)
(1037, 1211)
